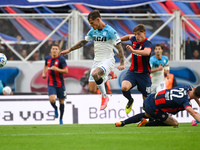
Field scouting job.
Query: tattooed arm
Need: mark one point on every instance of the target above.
(78, 45)
(121, 56)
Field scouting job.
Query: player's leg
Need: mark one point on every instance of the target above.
(144, 84)
(62, 106)
(61, 94)
(133, 119)
(127, 83)
(171, 121)
(52, 99)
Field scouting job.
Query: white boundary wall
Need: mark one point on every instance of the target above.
(81, 109)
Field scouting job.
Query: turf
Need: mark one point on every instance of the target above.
(98, 137)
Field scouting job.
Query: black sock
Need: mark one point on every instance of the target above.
(61, 110)
(99, 81)
(127, 94)
(134, 119)
(54, 105)
(156, 123)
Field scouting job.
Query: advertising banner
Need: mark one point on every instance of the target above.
(79, 109)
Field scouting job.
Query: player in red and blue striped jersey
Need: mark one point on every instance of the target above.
(158, 106)
(56, 67)
(138, 73)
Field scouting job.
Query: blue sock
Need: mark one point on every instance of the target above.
(196, 121)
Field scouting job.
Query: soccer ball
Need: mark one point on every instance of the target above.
(7, 89)
(3, 60)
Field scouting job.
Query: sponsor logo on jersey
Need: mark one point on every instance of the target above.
(100, 38)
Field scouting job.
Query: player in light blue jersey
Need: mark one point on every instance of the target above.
(105, 38)
(159, 68)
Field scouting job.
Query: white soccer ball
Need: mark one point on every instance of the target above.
(3, 60)
(7, 89)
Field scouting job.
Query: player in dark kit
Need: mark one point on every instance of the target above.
(158, 106)
(138, 73)
(56, 67)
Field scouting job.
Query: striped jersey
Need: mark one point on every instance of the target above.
(173, 100)
(104, 41)
(54, 77)
(140, 63)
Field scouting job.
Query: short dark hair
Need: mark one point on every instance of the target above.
(55, 45)
(197, 91)
(158, 44)
(94, 14)
(139, 27)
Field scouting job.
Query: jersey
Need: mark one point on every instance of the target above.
(140, 63)
(55, 78)
(173, 100)
(158, 76)
(104, 41)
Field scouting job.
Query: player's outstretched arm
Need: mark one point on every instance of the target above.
(193, 113)
(44, 72)
(77, 46)
(121, 56)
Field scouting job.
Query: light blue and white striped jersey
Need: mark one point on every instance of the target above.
(104, 41)
(158, 76)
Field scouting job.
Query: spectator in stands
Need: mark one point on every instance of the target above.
(188, 49)
(196, 54)
(24, 53)
(166, 53)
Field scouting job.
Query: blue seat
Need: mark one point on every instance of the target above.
(8, 75)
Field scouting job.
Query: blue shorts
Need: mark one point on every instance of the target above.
(59, 91)
(150, 108)
(142, 80)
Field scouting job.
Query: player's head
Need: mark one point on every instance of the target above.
(158, 49)
(55, 50)
(94, 19)
(197, 91)
(140, 32)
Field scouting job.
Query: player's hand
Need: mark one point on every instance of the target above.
(130, 48)
(54, 68)
(121, 67)
(43, 75)
(160, 67)
(63, 53)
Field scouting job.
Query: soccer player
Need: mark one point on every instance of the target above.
(159, 68)
(158, 106)
(105, 38)
(56, 67)
(138, 73)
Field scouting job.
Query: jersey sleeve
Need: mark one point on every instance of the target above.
(151, 61)
(148, 45)
(63, 63)
(115, 37)
(89, 36)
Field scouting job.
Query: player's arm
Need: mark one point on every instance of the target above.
(193, 113)
(77, 46)
(44, 71)
(160, 67)
(127, 37)
(64, 70)
(121, 56)
(145, 52)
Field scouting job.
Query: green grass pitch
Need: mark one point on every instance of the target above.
(99, 137)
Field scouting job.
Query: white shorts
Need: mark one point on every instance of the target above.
(155, 88)
(107, 65)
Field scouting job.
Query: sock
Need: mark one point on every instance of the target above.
(54, 105)
(61, 110)
(196, 121)
(127, 94)
(156, 123)
(101, 87)
(134, 119)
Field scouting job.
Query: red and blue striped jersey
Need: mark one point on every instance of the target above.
(140, 63)
(54, 77)
(173, 100)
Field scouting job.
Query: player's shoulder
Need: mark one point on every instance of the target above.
(153, 57)
(47, 57)
(61, 57)
(165, 57)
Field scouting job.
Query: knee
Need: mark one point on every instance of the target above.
(124, 88)
(92, 90)
(95, 75)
